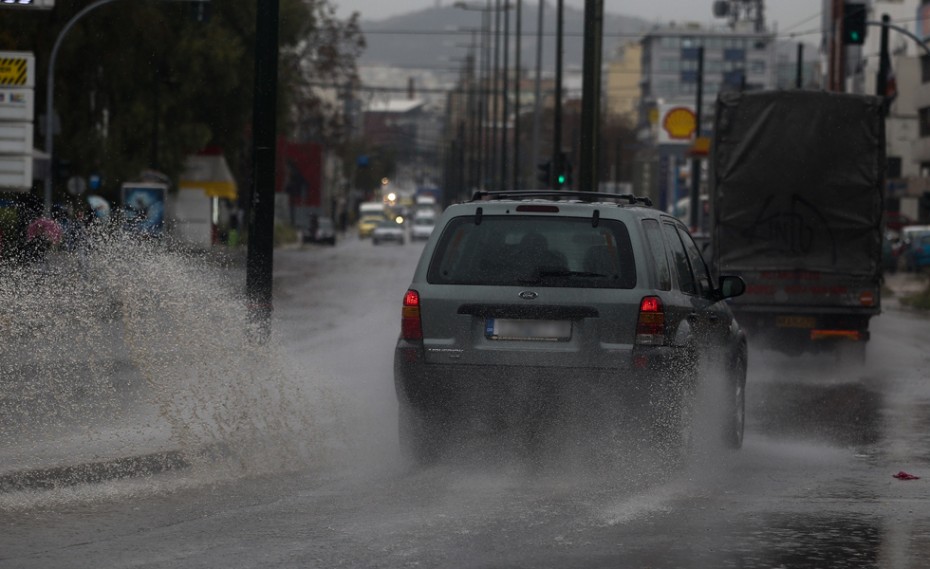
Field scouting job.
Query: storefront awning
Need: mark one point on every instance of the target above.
(209, 173)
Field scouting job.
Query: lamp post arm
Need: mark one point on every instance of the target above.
(904, 31)
(50, 94)
(50, 98)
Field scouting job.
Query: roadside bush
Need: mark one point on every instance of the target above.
(284, 234)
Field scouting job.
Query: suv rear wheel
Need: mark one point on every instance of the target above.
(735, 420)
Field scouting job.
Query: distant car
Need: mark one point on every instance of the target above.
(422, 227)
(914, 246)
(523, 304)
(368, 223)
(325, 232)
(917, 254)
(387, 230)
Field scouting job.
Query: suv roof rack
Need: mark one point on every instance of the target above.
(590, 196)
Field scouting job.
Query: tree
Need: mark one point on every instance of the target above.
(142, 84)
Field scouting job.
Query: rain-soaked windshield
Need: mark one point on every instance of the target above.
(205, 361)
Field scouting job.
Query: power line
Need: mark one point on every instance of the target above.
(804, 21)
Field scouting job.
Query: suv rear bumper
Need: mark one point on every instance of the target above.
(463, 388)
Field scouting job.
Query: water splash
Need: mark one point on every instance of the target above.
(127, 347)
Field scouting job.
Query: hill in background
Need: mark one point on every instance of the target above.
(439, 37)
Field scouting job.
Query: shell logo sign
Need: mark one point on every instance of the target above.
(679, 124)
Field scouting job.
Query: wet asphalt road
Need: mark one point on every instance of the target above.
(811, 488)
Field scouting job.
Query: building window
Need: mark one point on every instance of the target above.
(689, 76)
(672, 42)
(715, 42)
(924, 120)
(734, 43)
(757, 66)
(735, 78)
(665, 88)
(713, 66)
(668, 64)
(734, 54)
(689, 53)
(689, 41)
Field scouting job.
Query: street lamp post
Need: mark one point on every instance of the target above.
(489, 110)
(50, 92)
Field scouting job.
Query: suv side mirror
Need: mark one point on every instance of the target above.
(731, 285)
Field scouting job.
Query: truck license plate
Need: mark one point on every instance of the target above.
(795, 321)
(537, 330)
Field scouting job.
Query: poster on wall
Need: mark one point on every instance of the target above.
(144, 208)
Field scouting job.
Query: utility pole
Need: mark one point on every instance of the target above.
(695, 161)
(495, 94)
(518, 74)
(537, 87)
(505, 114)
(485, 101)
(259, 260)
(799, 74)
(591, 96)
(837, 64)
(884, 64)
(557, 157)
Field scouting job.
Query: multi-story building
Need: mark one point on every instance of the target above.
(907, 125)
(734, 58)
(623, 78)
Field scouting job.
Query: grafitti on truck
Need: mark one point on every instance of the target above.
(795, 232)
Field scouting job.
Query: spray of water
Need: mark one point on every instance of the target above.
(129, 346)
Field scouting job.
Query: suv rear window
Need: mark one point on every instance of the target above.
(534, 250)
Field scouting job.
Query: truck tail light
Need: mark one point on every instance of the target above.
(853, 335)
(650, 327)
(410, 325)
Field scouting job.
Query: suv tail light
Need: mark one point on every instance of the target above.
(650, 327)
(410, 325)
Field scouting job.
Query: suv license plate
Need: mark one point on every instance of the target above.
(536, 330)
(795, 321)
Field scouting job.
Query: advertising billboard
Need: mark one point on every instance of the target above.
(144, 208)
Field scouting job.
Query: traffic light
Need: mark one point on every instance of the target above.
(544, 176)
(563, 171)
(854, 23)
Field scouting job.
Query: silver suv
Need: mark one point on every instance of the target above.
(526, 298)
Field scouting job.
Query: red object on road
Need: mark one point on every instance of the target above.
(905, 476)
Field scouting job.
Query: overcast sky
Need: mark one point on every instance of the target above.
(785, 13)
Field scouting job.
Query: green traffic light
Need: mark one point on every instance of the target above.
(854, 36)
(561, 179)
